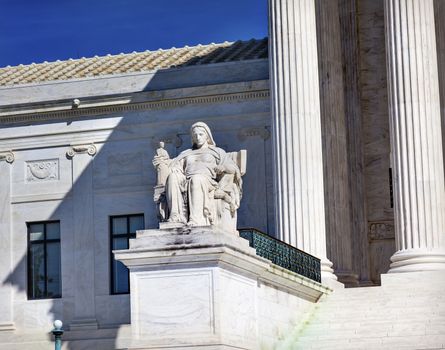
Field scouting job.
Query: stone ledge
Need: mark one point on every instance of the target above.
(205, 245)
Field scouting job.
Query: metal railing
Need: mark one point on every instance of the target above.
(283, 254)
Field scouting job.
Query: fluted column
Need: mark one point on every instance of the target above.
(419, 194)
(348, 13)
(439, 13)
(334, 125)
(297, 151)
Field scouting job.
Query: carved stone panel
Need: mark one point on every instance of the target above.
(42, 170)
(381, 248)
(262, 132)
(378, 230)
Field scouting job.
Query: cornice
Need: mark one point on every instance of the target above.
(68, 112)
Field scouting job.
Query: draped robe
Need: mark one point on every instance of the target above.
(192, 182)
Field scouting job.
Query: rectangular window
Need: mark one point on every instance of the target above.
(44, 268)
(122, 228)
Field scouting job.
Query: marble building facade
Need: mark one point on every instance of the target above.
(341, 112)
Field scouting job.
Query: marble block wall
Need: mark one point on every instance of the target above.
(83, 189)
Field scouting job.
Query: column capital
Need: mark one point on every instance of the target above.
(7, 156)
(81, 149)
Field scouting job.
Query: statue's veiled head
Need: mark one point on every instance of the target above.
(201, 135)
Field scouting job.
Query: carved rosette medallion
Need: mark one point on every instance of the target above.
(7, 157)
(80, 149)
(42, 170)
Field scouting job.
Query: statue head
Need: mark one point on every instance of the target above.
(201, 135)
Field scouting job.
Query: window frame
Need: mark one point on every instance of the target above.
(45, 258)
(126, 235)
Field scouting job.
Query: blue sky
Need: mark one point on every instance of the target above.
(47, 30)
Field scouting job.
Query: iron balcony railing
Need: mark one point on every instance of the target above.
(283, 254)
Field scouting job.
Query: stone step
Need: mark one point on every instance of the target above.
(385, 342)
(432, 307)
(334, 344)
(436, 308)
(430, 323)
(359, 330)
(390, 316)
(382, 300)
(394, 316)
(382, 296)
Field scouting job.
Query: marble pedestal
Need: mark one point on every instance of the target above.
(206, 288)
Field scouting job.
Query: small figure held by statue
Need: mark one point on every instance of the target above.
(202, 186)
(163, 163)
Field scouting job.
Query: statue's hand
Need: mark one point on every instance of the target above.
(157, 160)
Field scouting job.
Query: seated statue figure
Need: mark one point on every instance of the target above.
(203, 185)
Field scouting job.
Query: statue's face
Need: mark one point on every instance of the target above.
(199, 136)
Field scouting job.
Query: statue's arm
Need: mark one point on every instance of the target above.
(176, 165)
(226, 165)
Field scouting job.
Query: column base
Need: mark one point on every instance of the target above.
(417, 260)
(328, 277)
(327, 272)
(348, 278)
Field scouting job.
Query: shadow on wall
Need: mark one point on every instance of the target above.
(117, 179)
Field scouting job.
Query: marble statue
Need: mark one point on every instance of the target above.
(162, 167)
(202, 186)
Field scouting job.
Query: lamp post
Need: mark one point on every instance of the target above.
(57, 332)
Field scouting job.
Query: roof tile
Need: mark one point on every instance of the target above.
(133, 62)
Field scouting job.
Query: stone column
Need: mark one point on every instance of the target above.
(439, 12)
(414, 106)
(296, 129)
(351, 65)
(83, 229)
(6, 268)
(335, 141)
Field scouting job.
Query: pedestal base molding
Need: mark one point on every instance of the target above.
(202, 287)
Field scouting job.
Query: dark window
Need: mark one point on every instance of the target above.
(122, 228)
(44, 272)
